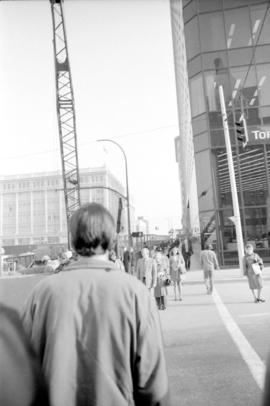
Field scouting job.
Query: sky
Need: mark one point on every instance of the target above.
(121, 59)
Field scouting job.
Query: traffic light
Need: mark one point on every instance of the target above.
(241, 131)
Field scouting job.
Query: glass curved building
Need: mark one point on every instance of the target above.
(228, 43)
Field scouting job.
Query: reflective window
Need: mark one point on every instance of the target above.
(256, 227)
(204, 179)
(260, 23)
(212, 32)
(194, 66)
(244, 86)
(190, 10)
(210, 60)
(240, 56)
(197, 95)
(263, 73)
(218, 139)
(234, 3)
(238, 32)
(192, 38)
(262, 54)
(199, 124)
(208, 229)
(201, 142)
(214, 79)
(210, 5)
(264, 113)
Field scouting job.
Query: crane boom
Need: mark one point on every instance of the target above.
(65, 112)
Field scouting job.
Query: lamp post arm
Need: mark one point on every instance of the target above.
(130, 242)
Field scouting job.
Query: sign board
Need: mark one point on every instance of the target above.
(137, 234)
(259, 136)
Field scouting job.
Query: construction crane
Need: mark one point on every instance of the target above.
(65, 112)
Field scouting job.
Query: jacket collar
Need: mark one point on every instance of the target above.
(91, 262)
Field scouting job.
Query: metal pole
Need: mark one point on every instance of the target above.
(236, 211)
(130, 242)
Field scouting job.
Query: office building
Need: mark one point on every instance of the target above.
(32, 207)
(228, 43)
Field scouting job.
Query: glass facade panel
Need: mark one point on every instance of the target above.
(263, 72)
(238, 32)
(201, 142)
(194, 66)
(218, 139)
(208, 229)
(204, 179)
(262, 53)
(199, 124)
(234, 3)
(212, 60)
(238, 57)
(212, 32)
(260, 18)
(209, 5)
(264, 113)
(244, 85)
(190, 10)
(192, 38)
(197, 96)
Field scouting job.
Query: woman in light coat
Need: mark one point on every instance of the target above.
(254, 280)
(177, 269)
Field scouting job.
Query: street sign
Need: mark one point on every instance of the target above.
(137, 234)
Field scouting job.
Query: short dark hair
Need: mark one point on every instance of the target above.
(91, 226)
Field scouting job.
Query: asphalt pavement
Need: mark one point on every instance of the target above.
(205, 364)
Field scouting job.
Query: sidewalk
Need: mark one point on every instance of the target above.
(222, 275)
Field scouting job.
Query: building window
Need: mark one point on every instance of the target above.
(197, 96)
(259, 17)
(192, 38)
(209, 5)
(212, 32)
(237, 26)
(263, 73)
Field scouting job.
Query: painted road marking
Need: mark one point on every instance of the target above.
(255, 315)
(251, 358)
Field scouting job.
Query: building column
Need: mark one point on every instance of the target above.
(17, 214)
(46, 213)
(31, 218)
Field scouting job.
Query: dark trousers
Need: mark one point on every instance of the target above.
(187, 261)
(161, 302)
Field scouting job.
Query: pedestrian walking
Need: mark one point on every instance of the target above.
(252, 266)
(177, 270)
(95, 329)
(187, 251)
(209, 263)
(160, 290)
(117, 261)
(146, 269)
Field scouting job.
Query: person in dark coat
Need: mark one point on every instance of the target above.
(96, 329)
(21, 380)
(187, 251)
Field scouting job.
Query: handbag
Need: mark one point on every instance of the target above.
(256, 268)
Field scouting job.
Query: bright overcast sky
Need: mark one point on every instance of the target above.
(123, 75)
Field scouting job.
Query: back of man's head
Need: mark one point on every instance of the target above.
(92, 226)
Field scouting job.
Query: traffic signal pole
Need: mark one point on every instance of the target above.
(236, 211)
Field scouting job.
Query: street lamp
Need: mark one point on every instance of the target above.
(127, 188)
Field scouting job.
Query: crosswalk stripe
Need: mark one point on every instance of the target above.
(253, 361)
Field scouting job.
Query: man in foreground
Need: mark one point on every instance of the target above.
(96, 329)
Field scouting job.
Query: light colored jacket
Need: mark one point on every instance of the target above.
(146, 270)
(209, 260)
(97, 334)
